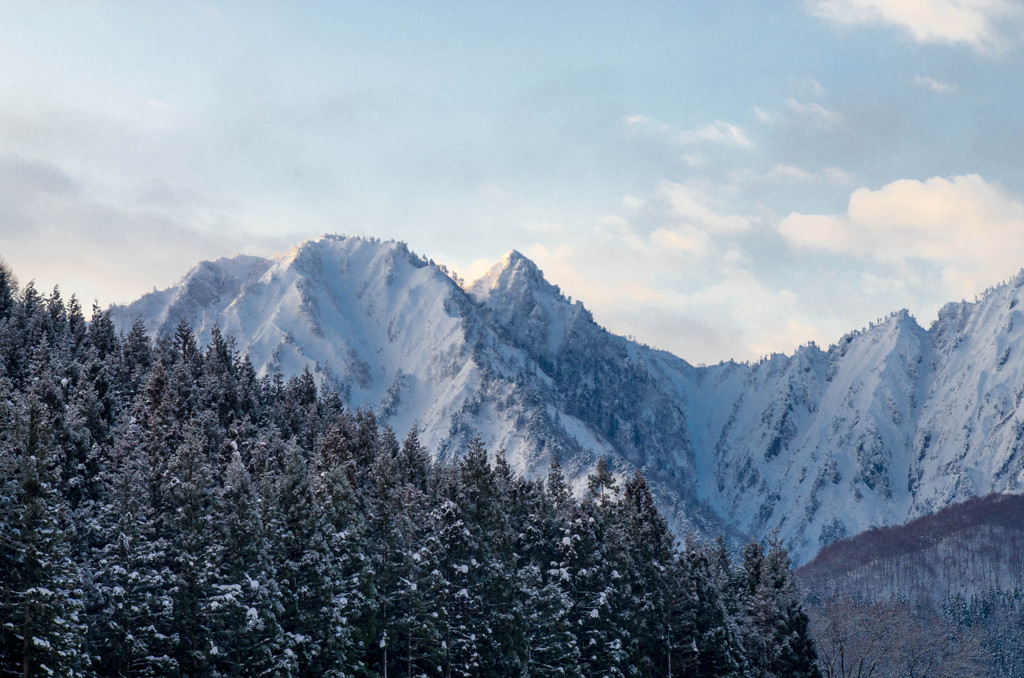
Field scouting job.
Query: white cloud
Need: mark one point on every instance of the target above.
(934, 85)
(766, 117)
(802, 113)
(676, 267)
(792, 174)
(641, 120)
(838, 176)
(618, 231)
(56, 231)
(664, 237)
(475, 269)
(717, 132)
(695, 160)
(973, 231)
(981, 24)
(694, 207)
(812, 86)
(817, 114)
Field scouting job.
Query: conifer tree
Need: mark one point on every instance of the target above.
(132, 625)
(487, 507)
(650, 547)
(8, 290)
(601, 484)
(194, 550)
(598, 597)
(460, 605)
(40, 587)
(245, 601)
(135, 358)
(703, 631)
(781, 619)
(312, 600)
(549, 642)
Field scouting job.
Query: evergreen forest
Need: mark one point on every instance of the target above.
(165, 511)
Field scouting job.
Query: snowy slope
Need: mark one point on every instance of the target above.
(511, 359)
(892, 422)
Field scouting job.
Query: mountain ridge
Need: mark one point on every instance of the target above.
(890, 422)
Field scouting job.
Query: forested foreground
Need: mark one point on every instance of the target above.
(164, 512)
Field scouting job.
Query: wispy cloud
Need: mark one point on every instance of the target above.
(717, 132)
(811, 86)
(696, 208)
(825, 118)
(984, 25)
(815, 114)
(60, 232)
(937, 86)
(792, 174)
(674, 266)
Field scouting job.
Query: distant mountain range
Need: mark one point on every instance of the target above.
(893, 422)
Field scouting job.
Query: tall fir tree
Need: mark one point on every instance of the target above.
(245, 602)
(132, 627)
(40, 587)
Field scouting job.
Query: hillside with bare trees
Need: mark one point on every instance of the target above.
(952, 584)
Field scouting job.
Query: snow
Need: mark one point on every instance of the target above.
(892, 422)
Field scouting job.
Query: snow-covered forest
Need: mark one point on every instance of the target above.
(165, 512)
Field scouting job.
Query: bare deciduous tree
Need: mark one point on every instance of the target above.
(888, 640)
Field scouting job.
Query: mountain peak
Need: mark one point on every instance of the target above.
(515, 274)
(516, 258)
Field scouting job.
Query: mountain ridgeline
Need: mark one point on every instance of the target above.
(164, 511)
(892, 422)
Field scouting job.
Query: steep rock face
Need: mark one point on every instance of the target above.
(971, 431)
(891, 422)
(599, 379)
(344, 307)
(512, 359)
(612, 397)
(818, 443)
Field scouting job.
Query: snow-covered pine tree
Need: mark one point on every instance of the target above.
(245, 600)
(312, 606)
(782, 619)
(596, 585)
(40, 587)
(703, 631)
(486, 507)
(650, 550)
(193, 550)
(345, 528)
(550, 644)
(459, 606)
(131, 620)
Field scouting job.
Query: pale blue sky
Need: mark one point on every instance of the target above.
(721, 179)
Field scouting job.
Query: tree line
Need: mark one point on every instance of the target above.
(165, 511)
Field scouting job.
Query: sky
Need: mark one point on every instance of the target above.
(723, 180)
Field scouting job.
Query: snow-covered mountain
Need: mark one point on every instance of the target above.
(892, 422)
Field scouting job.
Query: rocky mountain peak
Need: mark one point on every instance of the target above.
(892, 422)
